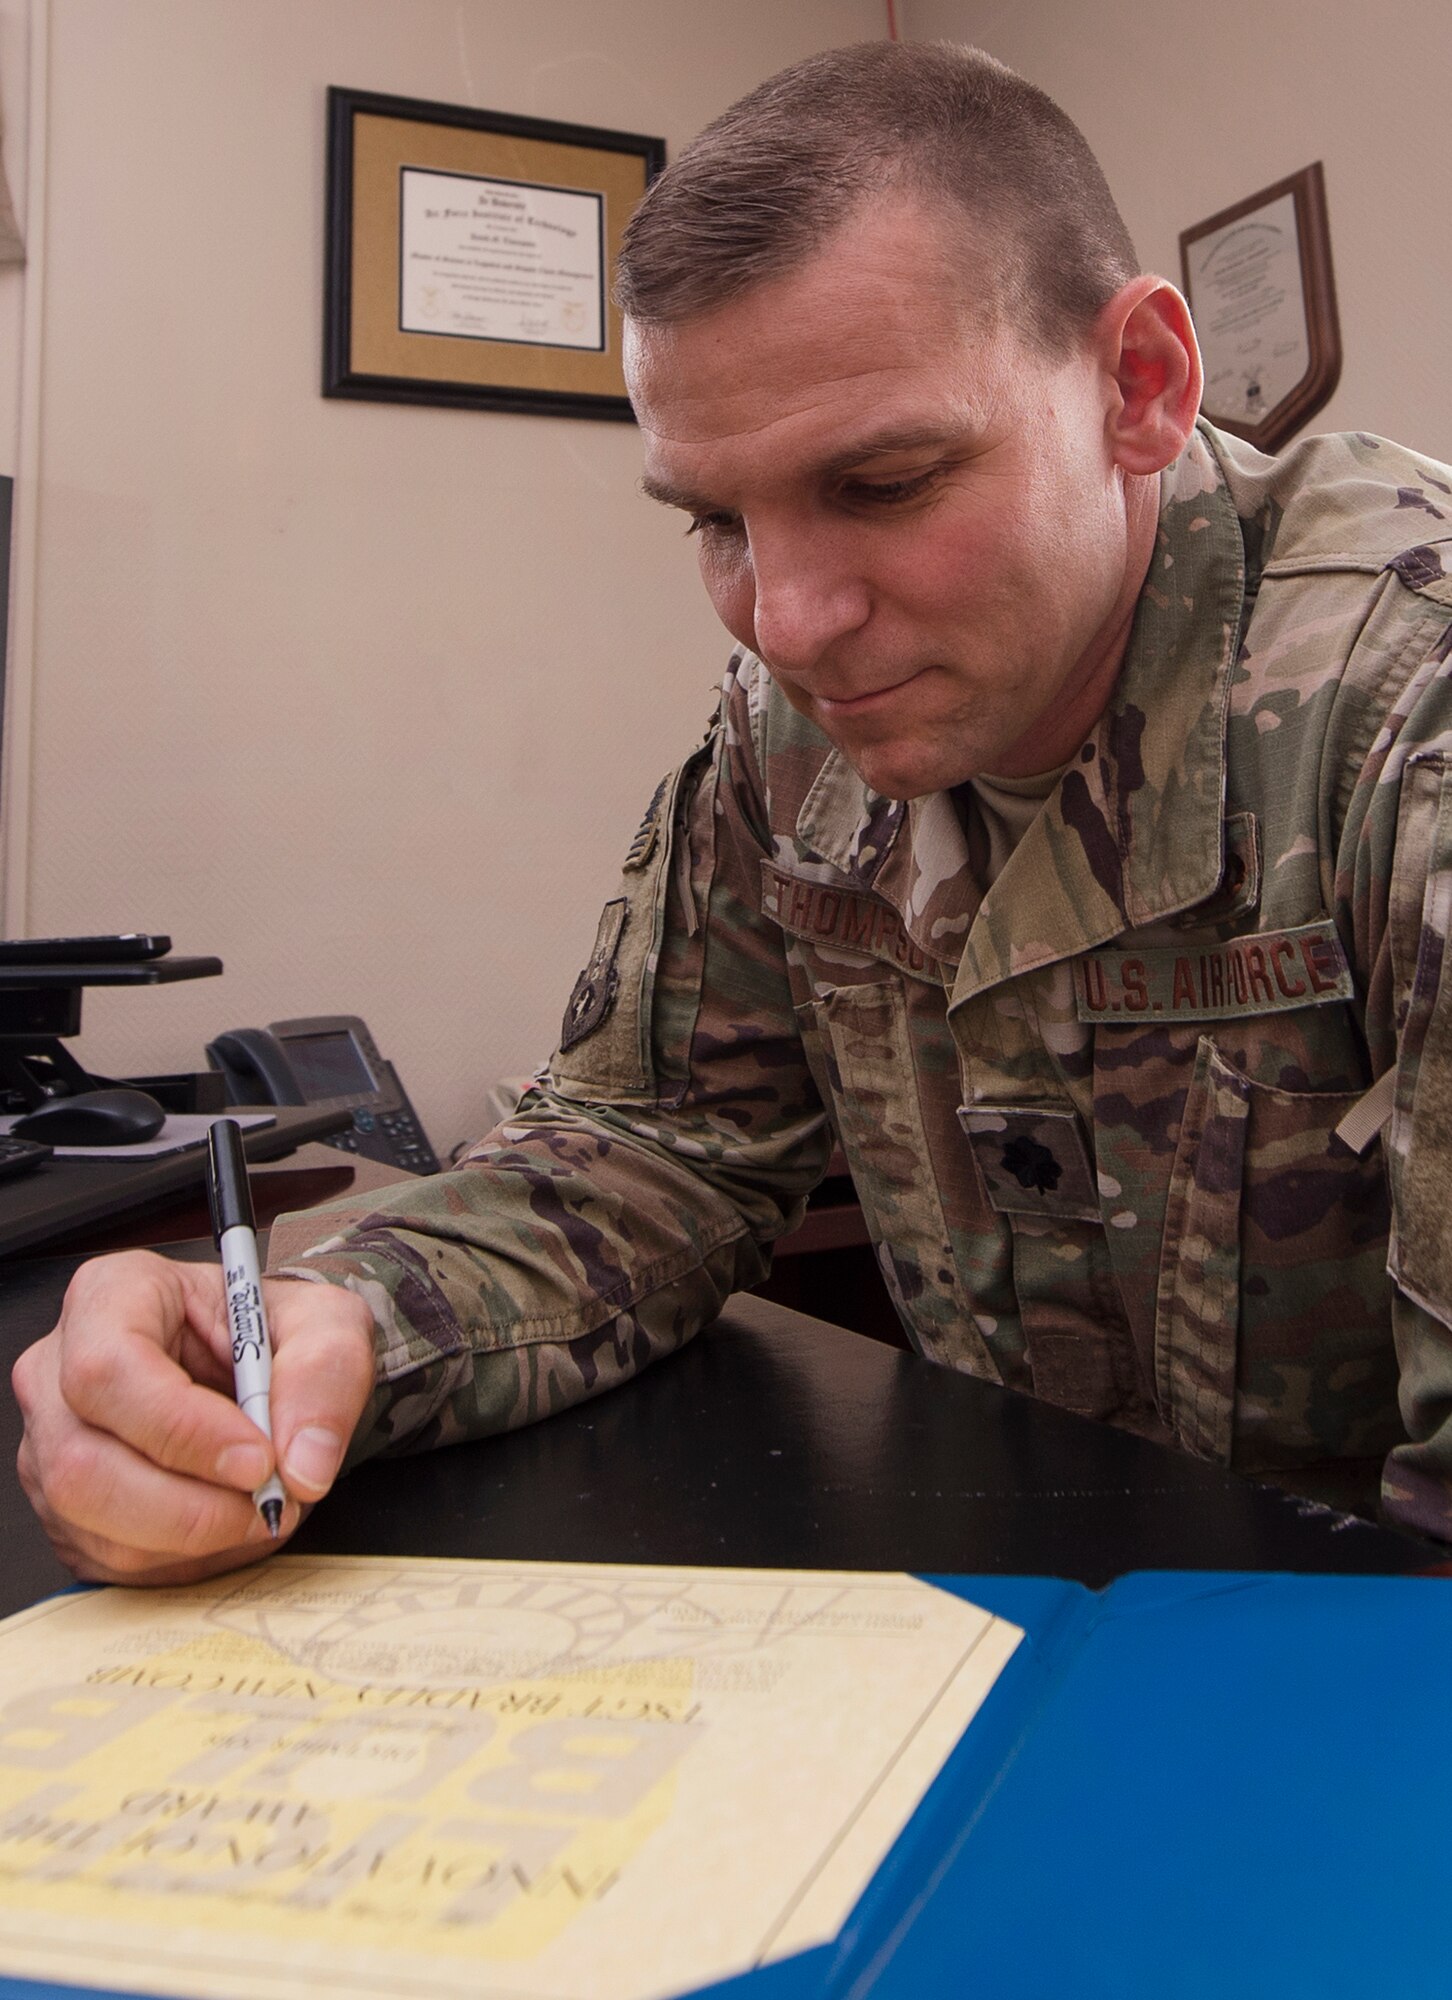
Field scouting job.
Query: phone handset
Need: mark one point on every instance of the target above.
(255, 1068)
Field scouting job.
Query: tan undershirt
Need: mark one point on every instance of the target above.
(1005, 809)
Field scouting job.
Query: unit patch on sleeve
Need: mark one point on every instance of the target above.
(595, 989)
(1266, 974)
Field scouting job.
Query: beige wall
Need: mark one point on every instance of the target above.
(1191, 106)
(367, 699)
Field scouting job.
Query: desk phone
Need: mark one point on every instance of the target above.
(333, 1058)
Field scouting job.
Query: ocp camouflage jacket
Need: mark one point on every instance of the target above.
(1092, 1116)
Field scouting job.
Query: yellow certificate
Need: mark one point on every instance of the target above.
(353, 1778)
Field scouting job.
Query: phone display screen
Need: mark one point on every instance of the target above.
(329, 1065)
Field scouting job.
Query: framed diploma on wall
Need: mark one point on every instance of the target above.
(1258, 278)
(470, 255)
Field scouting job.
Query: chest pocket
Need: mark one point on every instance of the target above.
(861, 1037)
(1273, 1306)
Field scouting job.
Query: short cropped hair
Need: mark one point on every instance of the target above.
(758, 192)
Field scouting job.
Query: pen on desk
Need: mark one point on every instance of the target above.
(235, 1233)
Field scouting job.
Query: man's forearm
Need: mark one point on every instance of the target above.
(539, 1274)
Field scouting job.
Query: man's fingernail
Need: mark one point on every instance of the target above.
(243, 1465)
(313, 1459)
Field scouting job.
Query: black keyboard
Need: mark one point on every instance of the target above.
(18, 1156)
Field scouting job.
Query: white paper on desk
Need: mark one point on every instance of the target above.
(185, 1130)
(360, 1778)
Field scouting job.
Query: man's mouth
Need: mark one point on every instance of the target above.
(862, 704)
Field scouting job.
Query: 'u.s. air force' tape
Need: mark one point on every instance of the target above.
(1269, 973)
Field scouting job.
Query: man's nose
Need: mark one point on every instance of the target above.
(807, 597)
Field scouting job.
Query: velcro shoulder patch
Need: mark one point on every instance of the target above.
(822, 913)
(1269, 973)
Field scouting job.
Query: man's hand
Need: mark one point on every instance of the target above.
(136, 1457)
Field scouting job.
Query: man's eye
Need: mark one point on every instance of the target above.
(712, 524)
(889, 492)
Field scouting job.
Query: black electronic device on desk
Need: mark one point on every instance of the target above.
(41, 981)
(43, 1196)
(124, 948)
(22, 1156)
(327, 1059)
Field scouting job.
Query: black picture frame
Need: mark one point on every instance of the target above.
(374, 141)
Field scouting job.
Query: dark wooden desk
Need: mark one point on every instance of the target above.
(305, 1178)
(76, 1198)
(776, 1439)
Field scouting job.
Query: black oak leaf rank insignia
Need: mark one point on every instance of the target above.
(1032, 1165)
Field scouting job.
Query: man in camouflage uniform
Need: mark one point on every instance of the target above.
(1080, 857)
(1092, 1117)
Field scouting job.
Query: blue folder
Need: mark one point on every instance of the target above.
(1187, 1787)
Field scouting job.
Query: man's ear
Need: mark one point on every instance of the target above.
(1147, 343)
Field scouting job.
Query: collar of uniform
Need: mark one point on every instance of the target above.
(925, 878)
(846, 823)
(1135, 830)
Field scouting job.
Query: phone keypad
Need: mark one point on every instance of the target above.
(390, 1136)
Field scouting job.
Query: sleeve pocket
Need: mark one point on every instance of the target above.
(606, 1053)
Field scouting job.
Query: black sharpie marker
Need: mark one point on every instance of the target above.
(235, 1234)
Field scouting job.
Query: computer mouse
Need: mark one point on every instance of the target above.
(94, 1118)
